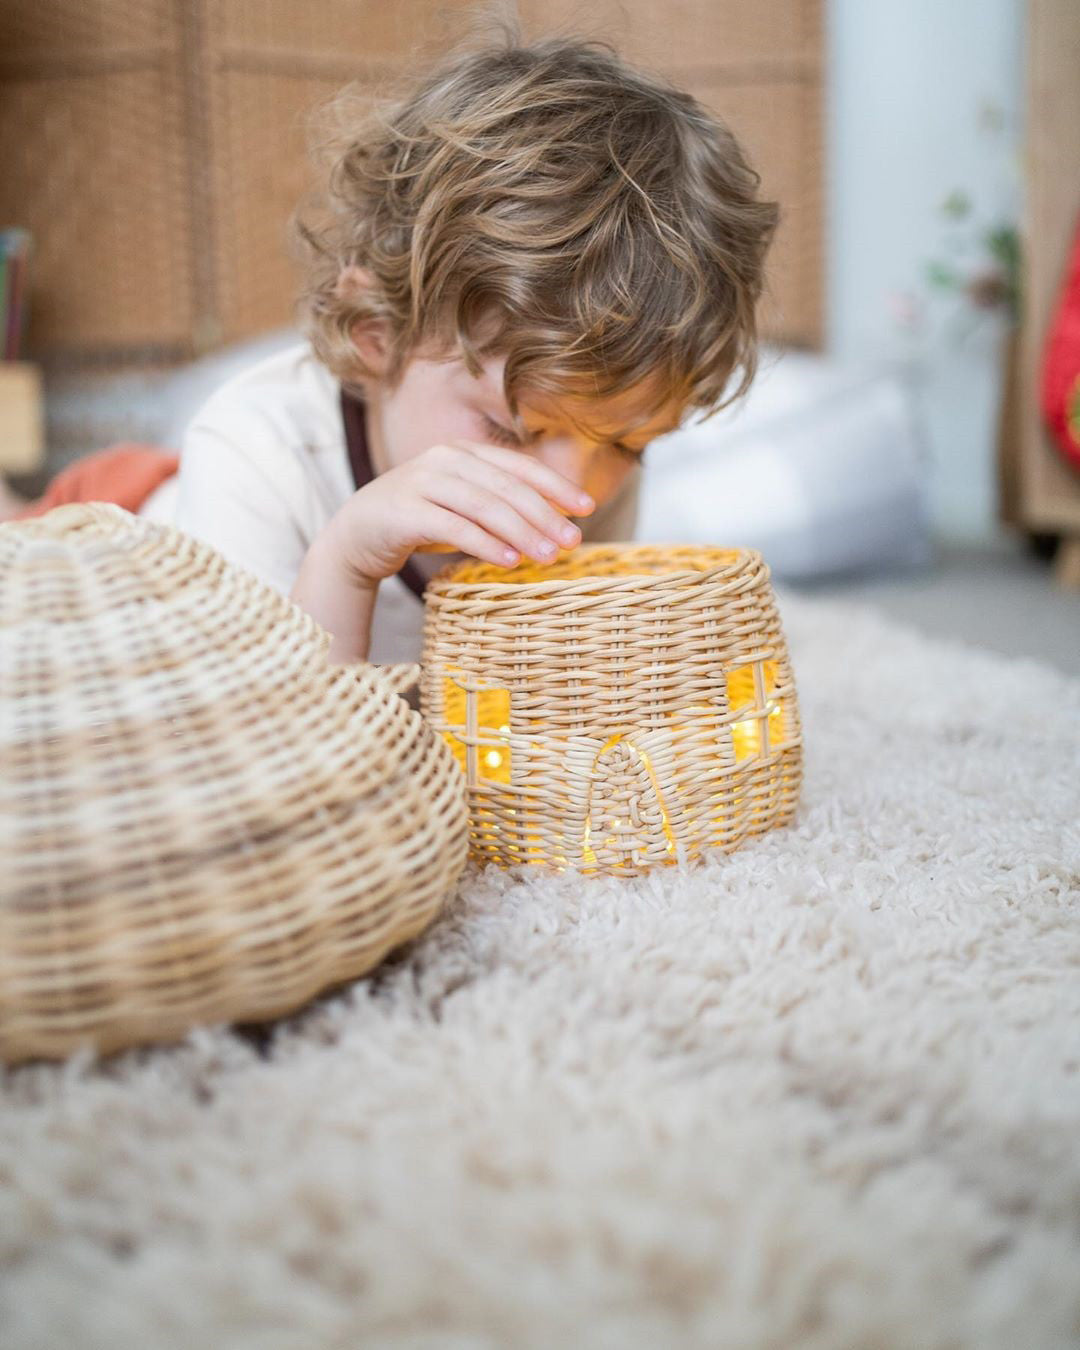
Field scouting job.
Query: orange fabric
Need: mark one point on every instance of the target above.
(124, 474)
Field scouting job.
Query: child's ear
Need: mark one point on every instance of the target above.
(369, 341)
(368, 335)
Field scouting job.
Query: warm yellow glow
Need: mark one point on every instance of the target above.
(483, 719)
(743, 690)
(492, 714)
(744, 695)
(747, 736)
(580, 563)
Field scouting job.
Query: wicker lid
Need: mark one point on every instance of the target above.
(201, 819)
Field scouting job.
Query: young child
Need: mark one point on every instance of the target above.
(532, 265)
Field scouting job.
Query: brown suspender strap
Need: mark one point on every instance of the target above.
(356, 442)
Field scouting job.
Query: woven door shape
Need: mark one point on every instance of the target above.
(201, 819)
(623, 707)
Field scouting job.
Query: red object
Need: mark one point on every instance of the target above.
(124, 474)
(1060, 391)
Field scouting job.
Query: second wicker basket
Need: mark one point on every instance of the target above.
(622, 707)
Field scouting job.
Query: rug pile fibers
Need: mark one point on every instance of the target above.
(821, 1092)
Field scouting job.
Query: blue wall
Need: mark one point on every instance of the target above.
(924, 97)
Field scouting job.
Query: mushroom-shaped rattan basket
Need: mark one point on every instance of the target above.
(625, 706)
(201, 819)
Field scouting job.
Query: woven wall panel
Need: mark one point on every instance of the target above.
(689, 32)
(43, 29)
(781, 129)
(101, 181)
(256, 279)
(175, 137)
(330, 30)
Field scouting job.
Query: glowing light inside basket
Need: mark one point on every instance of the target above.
(750, 688)
(747, 735)
(754, 686)
(494, 758)
(490, 734)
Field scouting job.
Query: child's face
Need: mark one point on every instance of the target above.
(439, 401)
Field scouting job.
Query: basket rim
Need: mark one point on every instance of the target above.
(735, 560)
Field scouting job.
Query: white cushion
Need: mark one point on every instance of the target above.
(820, 466)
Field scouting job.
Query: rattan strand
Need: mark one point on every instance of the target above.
(201, 819)
(623, 707)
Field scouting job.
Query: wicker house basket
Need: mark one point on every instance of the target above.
(622, 707)
(201, 819)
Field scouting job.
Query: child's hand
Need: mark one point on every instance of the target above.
(466, 496)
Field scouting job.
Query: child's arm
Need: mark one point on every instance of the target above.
(492, 503)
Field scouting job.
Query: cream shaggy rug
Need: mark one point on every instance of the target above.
(824, 1092)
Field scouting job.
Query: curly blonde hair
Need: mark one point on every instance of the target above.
(547, 202)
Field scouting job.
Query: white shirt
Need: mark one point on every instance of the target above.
(264, 466)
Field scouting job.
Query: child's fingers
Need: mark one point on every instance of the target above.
(499, 517)
(466, 536)
(489, 481)
(540, 476)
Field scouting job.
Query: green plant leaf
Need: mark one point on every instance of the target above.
(938, 274)
(957, 204)
(1004, 243)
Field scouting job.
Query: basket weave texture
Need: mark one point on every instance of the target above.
(201, 819)
(173, 242)
(622, 707)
